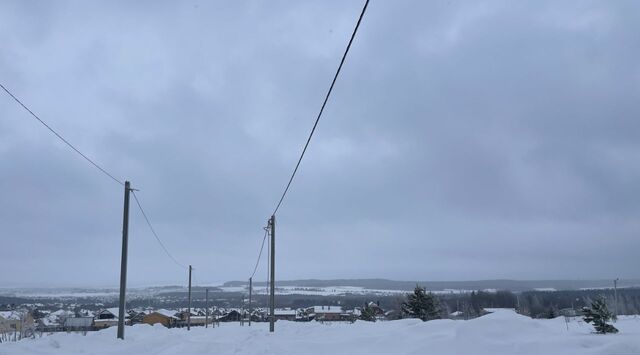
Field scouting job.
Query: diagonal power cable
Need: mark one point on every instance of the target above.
(153, 231)
(324, 103)
(61, 137)
(255, 268)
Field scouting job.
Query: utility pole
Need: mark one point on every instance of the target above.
(189, 304)
(250, 307)
(206, 312)
(615, 297)
(272, 304)
(250, 293)
(123, 261)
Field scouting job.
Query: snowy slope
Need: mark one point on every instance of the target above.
(502, 332)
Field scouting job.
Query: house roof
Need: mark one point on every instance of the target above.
(165, 312)
(10, 315)
(114, 311)
(47, 321)
(327, 309)
(284, 312)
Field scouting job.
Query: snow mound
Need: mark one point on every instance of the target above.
(501, 332)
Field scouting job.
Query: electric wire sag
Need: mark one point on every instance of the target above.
(153, 231)
(324, 103)
(61, 137)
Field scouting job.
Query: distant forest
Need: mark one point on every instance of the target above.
(542, 304)
(536, 304)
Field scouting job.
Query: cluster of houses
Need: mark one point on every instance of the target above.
(85, 320)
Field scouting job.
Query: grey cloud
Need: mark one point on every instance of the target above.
(462, 141)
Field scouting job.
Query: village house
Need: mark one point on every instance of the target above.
(231, 316)
(161, 316)
(285, 314)
(183, 317)
(107, 318)
(18, 322)
(78, 324)
(324, 313)
(58, 317)
(48, 325)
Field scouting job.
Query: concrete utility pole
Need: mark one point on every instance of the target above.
(615, 297)
(206, 313)
(250, 307)
(272, 302)
(189, 304)
(123, 261)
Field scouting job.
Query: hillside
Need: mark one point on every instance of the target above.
(502, 332)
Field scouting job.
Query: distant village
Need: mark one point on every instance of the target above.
(33, 319)
(22, 323)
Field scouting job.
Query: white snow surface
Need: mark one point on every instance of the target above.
(502, 332)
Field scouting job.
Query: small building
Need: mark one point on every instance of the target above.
(58, 317)
(285, 314)
(109, 313)
(16, 321)
(325, 313)
(48, 325)
(106, 318)
(161, 316)
(78, 324)
(231, 316)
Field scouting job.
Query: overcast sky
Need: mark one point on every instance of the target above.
(464, 140)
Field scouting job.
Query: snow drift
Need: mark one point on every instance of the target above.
(502, 332)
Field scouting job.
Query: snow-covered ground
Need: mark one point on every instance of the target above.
(502, 332)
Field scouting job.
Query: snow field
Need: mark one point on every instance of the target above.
(502, 332)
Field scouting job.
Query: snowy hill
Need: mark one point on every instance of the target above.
(502, 332)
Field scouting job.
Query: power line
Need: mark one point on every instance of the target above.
(61, 137)
(266, 232)
(153, 231)
(335, 77)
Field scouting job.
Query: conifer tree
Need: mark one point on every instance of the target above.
(599, 315)
(421, 304)
(368, 313)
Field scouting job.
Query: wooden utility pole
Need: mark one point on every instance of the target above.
(123, 260)
(250, 306)
(206, 313)
(272, 303)
(189, 304)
